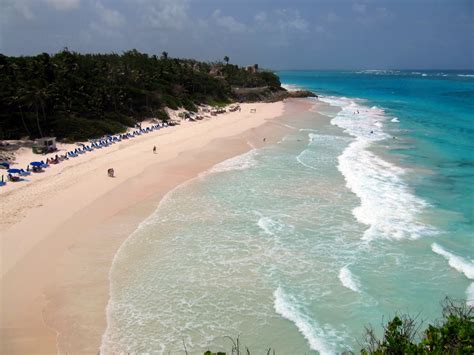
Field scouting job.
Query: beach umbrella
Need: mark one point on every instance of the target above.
(14, 171)
(36, 163)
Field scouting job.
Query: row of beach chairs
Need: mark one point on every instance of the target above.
(15, 175)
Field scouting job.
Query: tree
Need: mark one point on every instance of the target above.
(80, 96)
(226, 59)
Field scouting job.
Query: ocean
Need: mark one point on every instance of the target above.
(297, 246)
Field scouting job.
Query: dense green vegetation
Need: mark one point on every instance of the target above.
(78, 96)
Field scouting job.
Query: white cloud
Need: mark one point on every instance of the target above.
(291, 20)
(12, 9)
(359, 8)
(282, 21)
(261, 17)
(164, 14)
(24, 9)
(229, 23)
(369, 17)
(110, 17)
(64, 5)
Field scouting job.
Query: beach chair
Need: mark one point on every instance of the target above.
(24, 172)
(13, 178)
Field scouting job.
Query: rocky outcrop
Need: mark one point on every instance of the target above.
(301, 93)
(268, 94)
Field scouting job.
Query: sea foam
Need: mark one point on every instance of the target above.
(470, 295)
(312, 157)
(291, 87)
(240, 162)
(273, 227)
(387, 205)
(456, 262)
(286, 307)
(348, 280)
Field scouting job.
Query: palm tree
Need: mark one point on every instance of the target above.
(33, 97)
(226, 59)
(164, 55)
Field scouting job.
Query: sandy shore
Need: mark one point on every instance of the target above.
(60, 232)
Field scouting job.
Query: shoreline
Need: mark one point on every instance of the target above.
(79, 230)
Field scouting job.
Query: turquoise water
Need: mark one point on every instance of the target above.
(298, 245)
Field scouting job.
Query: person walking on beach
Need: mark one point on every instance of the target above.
(154, 149)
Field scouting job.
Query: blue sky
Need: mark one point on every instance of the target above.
(277, 34)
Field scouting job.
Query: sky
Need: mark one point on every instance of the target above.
(276, 34)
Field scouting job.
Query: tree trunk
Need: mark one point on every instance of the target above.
(38, 120)
(23, 121)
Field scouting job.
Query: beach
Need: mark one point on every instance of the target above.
(291, 228)
(59, 234)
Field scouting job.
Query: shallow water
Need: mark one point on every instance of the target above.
(298, 245)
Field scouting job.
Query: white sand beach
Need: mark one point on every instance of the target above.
(60, 231)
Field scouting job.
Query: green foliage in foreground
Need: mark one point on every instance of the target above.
(453, 334)
(78, 96)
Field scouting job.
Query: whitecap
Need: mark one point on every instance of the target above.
(289, 126)
(291, 87)
(240, 162)
(395, 120)
(300, 159)
(273, 227)
(286, 307)
(348, 280)
(387, 205)
(470, 295)
(456, 262)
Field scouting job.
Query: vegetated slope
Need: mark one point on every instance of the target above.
(78, 96)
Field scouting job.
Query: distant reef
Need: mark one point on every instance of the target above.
(76, 96)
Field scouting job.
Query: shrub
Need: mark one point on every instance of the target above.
(162, 115)
(453, 335)
(189, 105)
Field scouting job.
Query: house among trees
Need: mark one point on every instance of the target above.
(252, 68)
